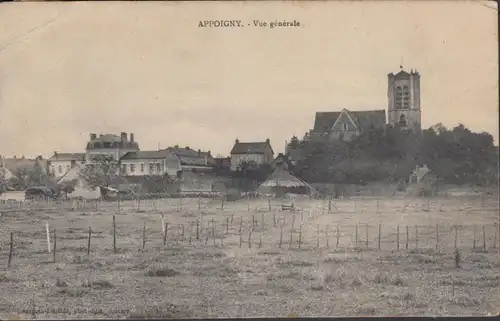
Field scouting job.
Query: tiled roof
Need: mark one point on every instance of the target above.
(14, 164)
(325, 120)
(250, 148)
(67, 157)
(402, 75)
(115, 140)
(364, 119)
(192, 161)
(153, 154)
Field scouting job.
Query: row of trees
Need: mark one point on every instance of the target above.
(455, 156)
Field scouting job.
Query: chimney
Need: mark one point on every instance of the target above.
(187, 147)
(100, 135)
(131, 137)
(39, 157)
(199, 152)
(55, 153)
(209, 153)
(93, 136)
(268, 141)
(236, 141)
(123, 137)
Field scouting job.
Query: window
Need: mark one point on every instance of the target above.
(60, 169)
(142, 167)
(67, 167)
(150, 168)
(132, 168)
(107, 145)
(345, 126)
(158, 167)
(398, 98)
(402, 120)
(124, 168)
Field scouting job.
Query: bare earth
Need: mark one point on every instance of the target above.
(310, 275)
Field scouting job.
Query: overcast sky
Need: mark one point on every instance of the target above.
(69, 69)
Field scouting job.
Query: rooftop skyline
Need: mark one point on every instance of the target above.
(71, 69)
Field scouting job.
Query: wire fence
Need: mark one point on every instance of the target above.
(112, 227)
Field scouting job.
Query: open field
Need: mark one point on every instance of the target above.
(352, 257)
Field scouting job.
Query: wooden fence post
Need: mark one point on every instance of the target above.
(291, 238)
(262, 222)
(166, 232)
(416, 236)
(269, 203)
(474, 241)
(241, 223)
(241, 238)
(495, 237)
(114, 233)
(330, 204)
(227, 225)
(357, 223)
(260, 240)
(90, 237)
(253, 222)
(437, 237)
(379, 235)
(281, 236)
(456, 238)
(48, 235)
(144, 236)
(250, 239)
(484, 239)
(300, 236)
(338, 235)
(182, 236)
(407, 236)
(367, 235)
(326, 236)
(317, 235)
(397, 237)
(11, 248)
(55, 246)
(274, 219)
(213, 230)
(293, 220)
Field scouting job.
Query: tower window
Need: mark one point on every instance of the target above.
(345, 126)
(402, 121)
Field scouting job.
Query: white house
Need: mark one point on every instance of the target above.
(259, 153)
(171, 161)
(60, 163)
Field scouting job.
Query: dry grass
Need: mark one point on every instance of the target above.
(183, 279)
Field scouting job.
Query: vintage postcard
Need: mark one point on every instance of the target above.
(249, 159)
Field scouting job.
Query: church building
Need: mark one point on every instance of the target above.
(403, 110)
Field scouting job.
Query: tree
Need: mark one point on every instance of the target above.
(101, 172)
(67, 187)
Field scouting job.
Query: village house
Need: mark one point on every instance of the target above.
(61, 163)
(20, 167)
(171, 161)
(257, 153)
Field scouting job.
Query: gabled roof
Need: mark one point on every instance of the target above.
(325, 120)
(251, 148)
(67, 157)
(364, 119)
(146, 154)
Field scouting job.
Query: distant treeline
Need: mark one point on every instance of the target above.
(455, 156)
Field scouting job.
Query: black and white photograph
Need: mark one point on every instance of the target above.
(216, 159)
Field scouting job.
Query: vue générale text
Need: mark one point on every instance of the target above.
(253, 24)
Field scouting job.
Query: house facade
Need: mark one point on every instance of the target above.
(61, 163)
(171, 161)
(258, 153)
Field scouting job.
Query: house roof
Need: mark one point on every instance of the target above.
(251, 148)
(114, 140)
(364, 119)
(402, 74)
(14, 164)
(282, 178)
(67, 157)
(192, 161)
(146, 154)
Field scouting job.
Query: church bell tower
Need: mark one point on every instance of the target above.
(404, 99)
